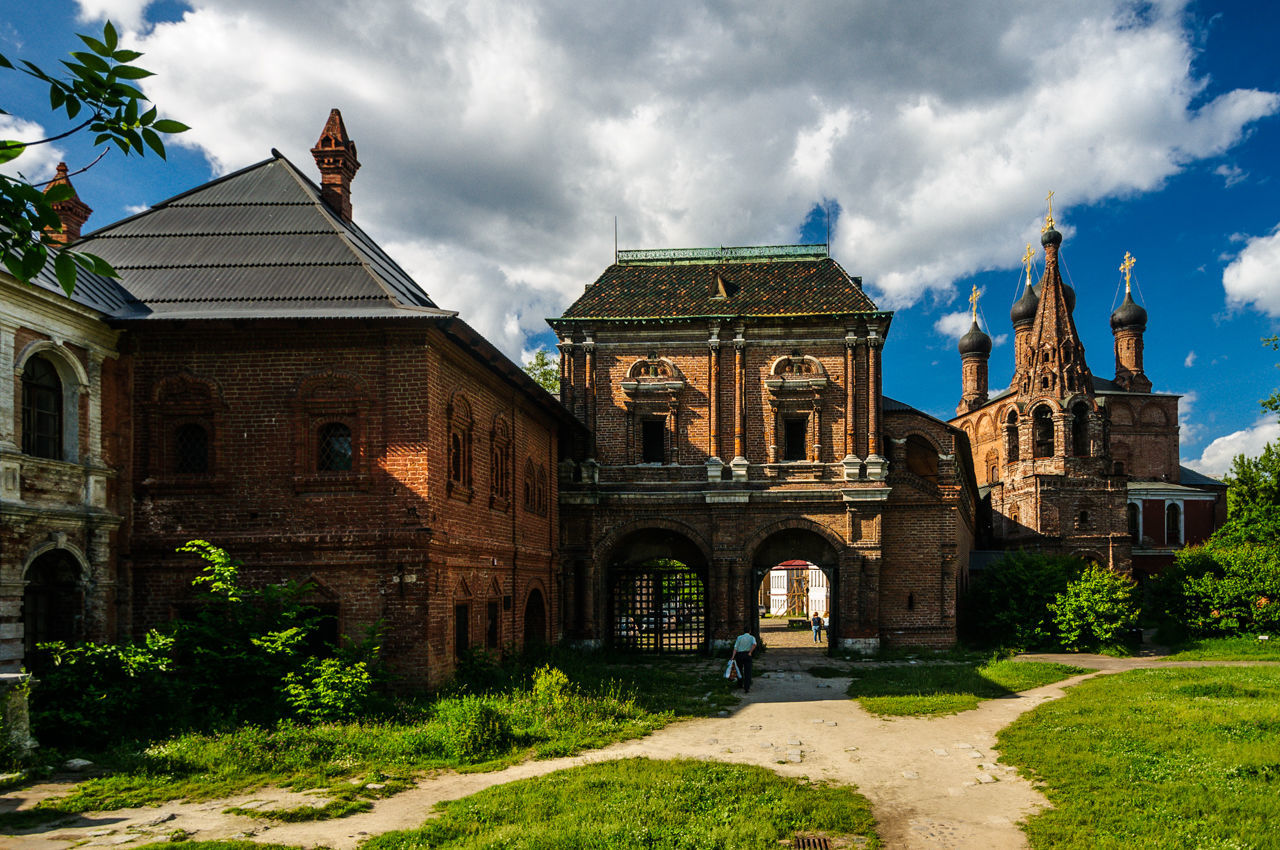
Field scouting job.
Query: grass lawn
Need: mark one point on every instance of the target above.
(934, 689)
(1167, 758)
(598, 704)
(642, 803)
(1244, 648)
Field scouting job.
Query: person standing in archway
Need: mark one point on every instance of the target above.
(816, 622)
(743, 648)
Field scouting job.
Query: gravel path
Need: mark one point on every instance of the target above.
(933, 782)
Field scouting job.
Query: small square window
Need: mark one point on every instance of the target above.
(653, 434)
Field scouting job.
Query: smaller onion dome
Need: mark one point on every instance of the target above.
(1051, 237)
(1069, 295)
(1024, 310)
(975, 341)
(1129, 315)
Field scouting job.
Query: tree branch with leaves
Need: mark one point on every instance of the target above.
(97, 94)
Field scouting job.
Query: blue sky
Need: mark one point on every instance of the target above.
(499, 139)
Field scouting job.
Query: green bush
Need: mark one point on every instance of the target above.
(474, 730)
(1008, 604)
(1218, 590)
(245, 654)
(1096, 610)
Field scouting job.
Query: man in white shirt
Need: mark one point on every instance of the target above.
(743, 648)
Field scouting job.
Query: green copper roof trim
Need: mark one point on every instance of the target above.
(751, 253)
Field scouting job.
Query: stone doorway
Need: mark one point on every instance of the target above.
(53, 601)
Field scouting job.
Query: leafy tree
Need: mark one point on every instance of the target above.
(545, 370)
(1253, 500)
(1272, 402)
(1097, 610)
(98, 96)
(1008, 604)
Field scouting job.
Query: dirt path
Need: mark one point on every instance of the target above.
(933, 782)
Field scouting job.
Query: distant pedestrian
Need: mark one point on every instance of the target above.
(816, 622)
(743, 648)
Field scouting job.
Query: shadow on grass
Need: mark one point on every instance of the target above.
(947, 689)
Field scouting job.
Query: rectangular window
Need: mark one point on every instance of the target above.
(794, 434)
(491, 625)
(653, 434)
(461, 630)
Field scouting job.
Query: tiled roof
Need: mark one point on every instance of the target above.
(1191, 478)
(755, 288)
(256, 243)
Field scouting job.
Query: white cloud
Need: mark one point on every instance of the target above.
(123, 14)
(1217, 456)
(1189, 429)
(35, 163)
(954, 325)
(1251, 277)
(500, 139)
(1191, 359)
(1231, 174)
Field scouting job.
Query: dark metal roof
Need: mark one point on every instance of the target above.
(776, 287)
(92, 290)
(1191, 478)
(259, 242)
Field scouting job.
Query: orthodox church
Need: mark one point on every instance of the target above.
(1069, 462)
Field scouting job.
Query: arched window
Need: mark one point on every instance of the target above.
(334, 448)
(1042, 431)
(460, 442)
(500, 466)
(41, 409)
(530, 487)
(1173, 525)
(1080, 429)
(190, 449)
(922, 458)
(542, 491)
(1011, 437)
(1135, 527)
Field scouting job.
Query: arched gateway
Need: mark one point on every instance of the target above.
(657, 596)
(797, 544)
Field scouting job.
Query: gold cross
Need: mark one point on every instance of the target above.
(1048, 219)
(1026, 260)
(1127, 268)
(973, 301)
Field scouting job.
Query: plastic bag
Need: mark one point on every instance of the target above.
(731, 671)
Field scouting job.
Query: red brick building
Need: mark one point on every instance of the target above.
(265, 377)
(1069, 462)
(733, 399)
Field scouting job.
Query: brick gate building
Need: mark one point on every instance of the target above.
(733, 402)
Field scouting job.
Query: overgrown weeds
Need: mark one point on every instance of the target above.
(525, 711)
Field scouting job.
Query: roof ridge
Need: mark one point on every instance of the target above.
(343, 230)
(167, 201)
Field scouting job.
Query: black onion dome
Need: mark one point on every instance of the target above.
(1129, 315)
(1069, 295)
(975, 341)
(1024, 310)
(1051, 237)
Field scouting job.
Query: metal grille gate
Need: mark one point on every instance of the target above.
(657, 609)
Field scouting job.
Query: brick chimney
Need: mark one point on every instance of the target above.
(335, 155)
(73, 211)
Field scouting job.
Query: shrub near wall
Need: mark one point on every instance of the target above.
(1219, 590)
(1008, 604)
